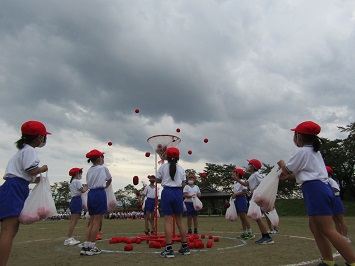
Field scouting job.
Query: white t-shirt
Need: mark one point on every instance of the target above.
(307, 165)
(335, 186)
(190, 190)
(239, 187)
(149, 192)
(75, 188)
(164, 176)
(254, 180)
(23, 161)
(97, 175)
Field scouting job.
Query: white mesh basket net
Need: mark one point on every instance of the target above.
(160, 143)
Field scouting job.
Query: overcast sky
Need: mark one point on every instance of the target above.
(240, 73)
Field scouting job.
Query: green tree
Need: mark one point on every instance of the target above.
(61, 195)
(127, 197)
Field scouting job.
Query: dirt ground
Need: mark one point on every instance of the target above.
(42, 244)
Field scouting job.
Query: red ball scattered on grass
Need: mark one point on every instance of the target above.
(210, 236)
(109, 143)
(137, 111)
(178, 130)
(135, 180)
(138, 241)
(189, 152)
(191, 245)
(147, 154)
(205, 140)
(209, 244)
(203, 236)
(216, 239)
(128, 247)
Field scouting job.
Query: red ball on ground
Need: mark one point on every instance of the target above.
(135, 180)
(216, 239)
(189, 152)
(113, 240)
(209, 244)
(138, 241)
(128, 247)
(205, 140)
(137, 111)
(147, 154)
(210, 236)
(109, 143)
(203, 236)
(191, 245)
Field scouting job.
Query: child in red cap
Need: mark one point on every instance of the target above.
(241, 203)
(76, 204)
(307, 166)
(190, 191)
(252, 183)
(98, 178)
(21, 170)
(173, 178)
(338, 215)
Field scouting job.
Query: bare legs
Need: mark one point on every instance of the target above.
(9, 229)
(73, 221)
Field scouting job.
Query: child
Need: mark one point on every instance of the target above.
(338, 216)
(307, 166)
(191, 191)
(98, 178)
(148, 195)
(21, 170)
(76, 204)
(241, 203)
(253, 182)
(173, 178)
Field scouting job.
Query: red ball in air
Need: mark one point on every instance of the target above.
(203, 175)
(147, 154)
(178, 130)
(138, 193)
(135, 180)
(137, 111)
(109, 143)
(205, 140)
(209, 244)
(226, 204)
(189, 152)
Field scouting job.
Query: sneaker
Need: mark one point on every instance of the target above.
(167, 253)
(265, 241)
(147, 232)
(274, 231)
(93, 251)
(249, 236)
(98, 237)
(324, 264)
(71, 242)
(184, 250)
(84, 250)
(189, 231)
(243, 236)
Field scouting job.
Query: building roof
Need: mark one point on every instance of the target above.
(208, 192)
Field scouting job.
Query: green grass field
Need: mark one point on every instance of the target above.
(42, 244)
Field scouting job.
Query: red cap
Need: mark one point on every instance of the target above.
(191, 175)
(94, 154)
(74, 170)
(34, 128)
(308, 128)
(172, 152)
(151, 176)
(329, 169)
(239, 170)
(256, 163)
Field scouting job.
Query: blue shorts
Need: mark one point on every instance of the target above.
(338, 206)
(190, 210)
(172, 201)
(241, 204)
(76, 205)
(97, 201)
(13, 194)
(318, 197)
(149, 205)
